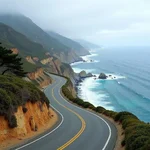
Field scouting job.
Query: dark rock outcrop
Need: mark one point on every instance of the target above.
(102, 76)
(83, 74)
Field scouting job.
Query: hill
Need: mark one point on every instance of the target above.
(28, 28)
(13, 39)
(73, 45)
(87, 44)
(15, 92)
(29, 49)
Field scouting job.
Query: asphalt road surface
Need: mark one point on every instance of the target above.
(76, 129)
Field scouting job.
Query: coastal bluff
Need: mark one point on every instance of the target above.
(37, 115)
(25, 111)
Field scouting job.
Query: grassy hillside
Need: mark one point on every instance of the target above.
(28, 67)
(25, 26)
(13, 39)
(15, 92)
(69, 43)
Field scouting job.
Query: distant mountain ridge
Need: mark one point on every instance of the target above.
(28, 28)
(13, 39)
(87, 44)
(28, 49)
(75, 46)
(34, 33)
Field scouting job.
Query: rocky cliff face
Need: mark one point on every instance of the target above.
(36, 116)
(47, 60)
(36, 74)
(39, 77)
(54, 65)
(15, 50)
(35, 59)
(69, 57)
(29, 59)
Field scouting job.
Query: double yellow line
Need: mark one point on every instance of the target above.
(83, 124)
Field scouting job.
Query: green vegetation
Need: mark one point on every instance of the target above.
(10, 62)
(26, 27)
(13, 39)
(15, 92)
(28, 67)
(137, 133)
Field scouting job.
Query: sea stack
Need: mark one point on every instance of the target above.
(83, 74)
(102, 76)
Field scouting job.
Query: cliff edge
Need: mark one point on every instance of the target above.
(24, 109)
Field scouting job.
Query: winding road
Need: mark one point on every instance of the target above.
(77, 128)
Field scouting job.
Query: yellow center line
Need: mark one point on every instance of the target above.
(83, 124)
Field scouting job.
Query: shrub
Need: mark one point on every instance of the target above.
(123, 143)
(146, 145)
(129, 122)
(122, 115)
(15, 92)
(110, 113)
(87, 105)
(24, 109)
(100, 109)
(12, 122)
(137, 143)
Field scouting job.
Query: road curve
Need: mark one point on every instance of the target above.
(77, 128)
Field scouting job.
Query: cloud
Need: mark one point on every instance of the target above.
(104, 22)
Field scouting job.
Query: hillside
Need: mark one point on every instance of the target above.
(21, 106)
(73, 45)
(13, 39)
(27, 27)
(87, 44)
(34, 56)
(15, 92)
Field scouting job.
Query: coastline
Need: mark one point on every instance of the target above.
(85, 60)
(118, 125)
(81, 79)
(79, 85)
(92, 89)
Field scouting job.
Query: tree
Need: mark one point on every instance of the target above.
(10, 62)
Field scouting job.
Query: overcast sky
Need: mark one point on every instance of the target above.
(105, 22)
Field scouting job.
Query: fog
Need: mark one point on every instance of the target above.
(109, 22)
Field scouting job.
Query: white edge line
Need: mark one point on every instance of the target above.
(45, 134)
(94, 115)
(62, 122)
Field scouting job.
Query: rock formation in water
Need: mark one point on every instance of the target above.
(102, 76)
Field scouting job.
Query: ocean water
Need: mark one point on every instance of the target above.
(129, 90)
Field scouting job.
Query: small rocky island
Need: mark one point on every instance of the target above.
(102, 76)
(83, 74)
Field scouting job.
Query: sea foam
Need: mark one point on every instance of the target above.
(97, 98)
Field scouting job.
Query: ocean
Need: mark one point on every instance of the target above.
(128, 87)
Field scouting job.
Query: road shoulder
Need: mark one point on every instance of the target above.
(12, 142)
